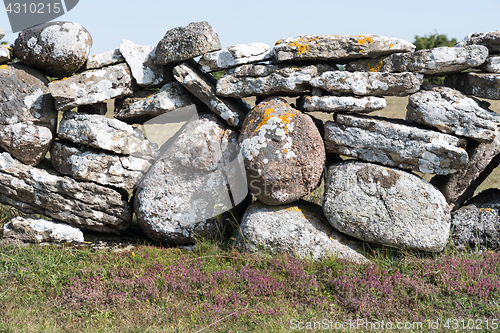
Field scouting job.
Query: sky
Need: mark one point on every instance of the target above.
(145, 22)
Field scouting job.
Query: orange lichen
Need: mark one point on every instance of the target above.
(391, 46)
(3, 66)
(498, 85)
(375, 68)
(285, 119)
(301, 49)
(361, 41)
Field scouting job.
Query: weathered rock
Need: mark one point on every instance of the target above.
(142, 63)
(394, 63)
(203, 86)
(450, 111)
(40, 230)
(265, 80)
(5, 54)
(339, 48)
(101, 60)
(386, 206)
(107, 134)
(87, 164)
(236, 55)
(476, 226)
(92, 87)
(491, 65)
(483, 85)
(144, 105)
(341, 103)
(369, 83)
(97, 108)
(283, 152)
(299, 229)
(395, 143)
(81, 204)
(2, 34)
(27, 113)
(55, 48)
(489, 39)
(183, 43)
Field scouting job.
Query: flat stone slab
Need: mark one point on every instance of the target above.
(393, 63)
(489, 39)
(36, 230)
(485, 85)
(104, 59)
(5, 54)
(265, 80)
(386, 206)
(203, 86)
(298, 229)
(395, 143)
(491, 65)
(449, 111)
(368, 83)
(94, 86)
(236, 55)
(341, 104)
(80, 204)
(339, 48)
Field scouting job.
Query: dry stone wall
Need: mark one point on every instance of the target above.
(102, 169)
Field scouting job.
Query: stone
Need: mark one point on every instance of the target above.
(107, 134)
(283, 152)
(80, 204)
(392, 142)
(142, 62)
(236, 55)
(386, 206)
(299, 229)
(265, 80)
(203, 86)
(393, 63)
(87, 164)
(368, 83)
(2, 34)
(56, 48)
(489, 39)
(449, 111)
(483, 85)
(341, 104)
(28, 117)
(338, 48)
(104, 59)
(184, 43)
(491, 65)
(476, 226)
(97, 108)
(5, 54)
(36, 230)
(90, 87)
(144, 105)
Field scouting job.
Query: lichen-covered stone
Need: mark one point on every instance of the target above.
(55, 48)
(5, 54)
(368, 83)
(90, 87)
(104, 59)
(236, 55)
(265, 80)
(395, 143)
(393, 63)
(33, 230)
(449, 111)
(80, 204)
(283, 152)
(341, 104)
(489, 39)
(491, 65)
(338, 48)
(386, 206)
(485, 85)
(203, 86)
(184, 43)
(299, 229)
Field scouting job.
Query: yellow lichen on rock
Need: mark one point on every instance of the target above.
(301, 49)
(3, 66)
(361, 41)
(375, 68)
(284, 119)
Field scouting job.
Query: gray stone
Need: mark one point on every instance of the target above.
(236, 55)
(203, 86)
(449, 111)
(144, 105)
(80, 204)
(107, 134)
(39, 230)
(386, 206)
(265, 80)
(55, 48)
(395, 143)
(92, 87)
(27, 113)
(491, 65)
(341, 103)
(299, 229)
(97, 108)
(5, 54)
(101, 60)
(483, 85)
(339, 48)
(183, 43)
(369, 83)
(394, 63)
(489, 39)
(476, 226)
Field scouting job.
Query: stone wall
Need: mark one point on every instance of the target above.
(101, 169)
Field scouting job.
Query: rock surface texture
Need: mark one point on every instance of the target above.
(39, 230)
(236, 55)
(491, 65)
(489, 39)
(101, 60)
(342, 103)
(5, 54)
(485, 85)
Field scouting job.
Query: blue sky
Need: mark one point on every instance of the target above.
(239, 22)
